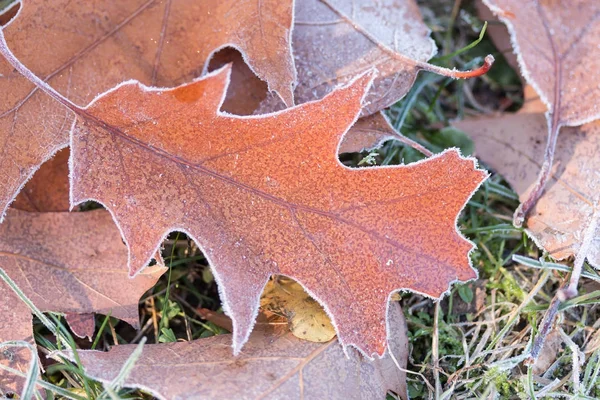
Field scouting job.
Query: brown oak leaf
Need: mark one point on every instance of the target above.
(266, 195)
(82, 325)
(273, 365)
(65, 263)
(512, 144)
(246, 91)
(83, 48)
(557, 48)
(370, 132)
(336, 40)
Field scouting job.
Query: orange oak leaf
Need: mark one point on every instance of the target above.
(83, 48)
(273, 365)
(66, 263)
(557, 49)
(336, 40)
(512, 144)
(267, 195)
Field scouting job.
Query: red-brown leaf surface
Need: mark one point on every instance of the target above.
(513, 145)
(266, 195)
(273, 365)
(246, 91)
(336, 40)
(83, 48)
(66, 263)
(8, 13)
(82, 325)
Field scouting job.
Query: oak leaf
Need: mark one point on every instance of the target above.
(84, 48)
(273, 365)
(266, 195)
(246, 91)
(512, 144)
(48, 191)
(336, 40)
(91, 276)
(557, 48)
(370, 132)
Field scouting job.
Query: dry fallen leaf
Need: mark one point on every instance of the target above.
(336, 40)
(65, 263)
(513, 145)
(48, 189)
(273, 365)
(246, 91)
(84, 48)
(557, 49)
(266, 195)
(261, 31)
(82, 325)
(306, 318)
(221, 320)
(369, 133)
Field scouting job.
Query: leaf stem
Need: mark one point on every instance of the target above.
(543, 176)
(544, 329)
(411, 143)
(568, 291)
(588, 236)
(452, 73)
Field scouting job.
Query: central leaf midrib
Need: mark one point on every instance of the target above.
(83, 113)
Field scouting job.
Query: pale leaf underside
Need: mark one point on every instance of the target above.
(557, 48)
(513, 145)
(273, 365)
